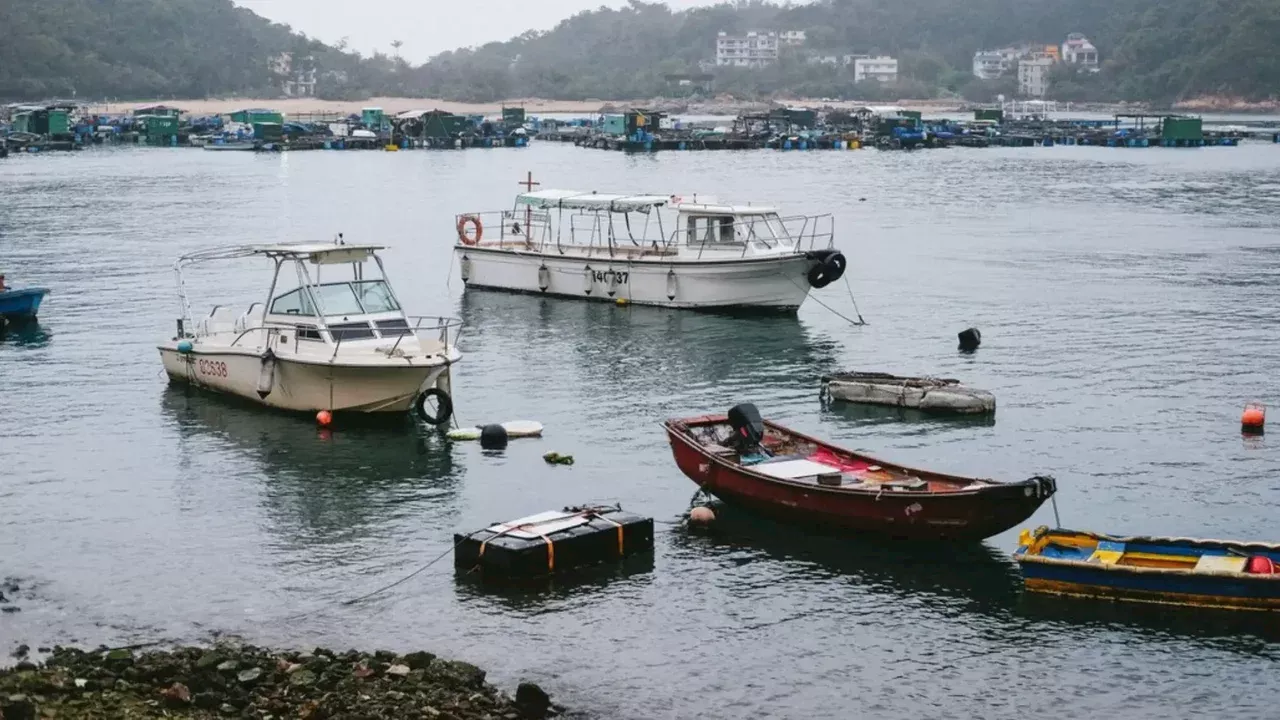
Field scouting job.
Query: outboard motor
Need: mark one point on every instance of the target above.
(748, 427)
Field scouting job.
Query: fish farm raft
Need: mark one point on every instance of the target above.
(69, 126)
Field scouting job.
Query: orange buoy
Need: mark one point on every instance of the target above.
(324, 418)
(702, 515)
(1254, 418)
(1260, 565)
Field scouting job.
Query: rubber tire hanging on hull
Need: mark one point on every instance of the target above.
(828, 270)
(446, 407)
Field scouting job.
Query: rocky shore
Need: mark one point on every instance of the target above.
(242, 681)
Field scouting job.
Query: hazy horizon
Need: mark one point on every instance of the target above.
(426, 30)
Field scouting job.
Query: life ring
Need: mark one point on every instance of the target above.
(444, 402)
(463, 237)
(828, 270)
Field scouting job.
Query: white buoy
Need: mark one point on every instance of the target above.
(514, 428)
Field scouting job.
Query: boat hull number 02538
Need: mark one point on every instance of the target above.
(605, 275)
(212, 368)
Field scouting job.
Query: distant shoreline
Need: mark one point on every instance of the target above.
(718, 106)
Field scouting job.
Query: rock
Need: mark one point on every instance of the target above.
(119, 657)
(398, 670)
(362, 671)
(228, 709)
(532, 701)
(208, 660)
(250, 676)
(44, 650)
(303, 678)
(206, 700)
(25, 666)
(177, 694)
(228, 666)
(20, 651)
(18, 707)
(419, 660)
(468, 673)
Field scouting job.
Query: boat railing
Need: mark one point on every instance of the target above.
(443, 330)
(528, 226)
(803, 233)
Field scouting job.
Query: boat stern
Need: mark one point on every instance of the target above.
(21, 304)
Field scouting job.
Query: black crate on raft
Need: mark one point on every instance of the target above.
(553, 542)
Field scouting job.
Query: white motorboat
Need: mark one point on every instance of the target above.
(340, 342)
(649, 250)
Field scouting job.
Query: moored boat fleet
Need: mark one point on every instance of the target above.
(330, 336)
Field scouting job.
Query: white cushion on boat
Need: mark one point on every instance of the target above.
(251, 318)
(791, 469)
(1220, 563)
(219, 321)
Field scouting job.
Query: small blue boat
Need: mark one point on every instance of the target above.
(1169, 571)
(18, 305)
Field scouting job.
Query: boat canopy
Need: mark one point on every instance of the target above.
(577, 200)
(317, 253)
(718, 209)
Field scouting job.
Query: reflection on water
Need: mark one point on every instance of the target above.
(25, 334)
(1253, 633)
(318, 485)
(971, 578)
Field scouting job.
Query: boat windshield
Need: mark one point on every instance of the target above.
(339, 298)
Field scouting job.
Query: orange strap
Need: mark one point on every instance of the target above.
(551, 549)
(617, 525)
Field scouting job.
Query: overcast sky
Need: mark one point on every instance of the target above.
(427, 27)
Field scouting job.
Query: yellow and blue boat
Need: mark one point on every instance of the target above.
(1170, 571)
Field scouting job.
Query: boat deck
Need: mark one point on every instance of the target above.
(785, 457)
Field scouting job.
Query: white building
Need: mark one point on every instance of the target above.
(793, 38)
(1077, 50)
(989, 64)
(755, 49)
(1033, 76)
(296, 80)
(881, 69)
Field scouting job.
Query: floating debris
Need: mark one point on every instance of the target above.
(941, 395)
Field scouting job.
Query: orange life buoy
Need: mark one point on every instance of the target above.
(463, 237)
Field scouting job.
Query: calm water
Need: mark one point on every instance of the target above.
(1128, 306)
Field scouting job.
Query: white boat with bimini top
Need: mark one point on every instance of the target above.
(661, 250)
(337, 340)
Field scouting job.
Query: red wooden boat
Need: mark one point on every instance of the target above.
(760, 465)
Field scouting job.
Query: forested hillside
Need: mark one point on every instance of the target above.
(1151, 50)
(145, 48)
(1160, 51)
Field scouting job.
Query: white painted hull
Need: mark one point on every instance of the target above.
(777, 283)
(305, 386)
(228, 147)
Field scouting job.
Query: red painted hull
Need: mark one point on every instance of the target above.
(956, 515)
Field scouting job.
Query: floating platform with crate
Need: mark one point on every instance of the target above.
(554, 542)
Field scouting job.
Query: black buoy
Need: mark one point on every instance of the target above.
(970, 339)
(493, 437)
